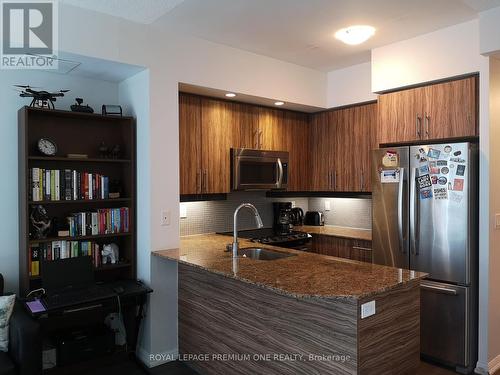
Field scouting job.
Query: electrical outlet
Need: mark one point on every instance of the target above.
(165, 218)
(183, 211)
(327, 205)
(367, 309)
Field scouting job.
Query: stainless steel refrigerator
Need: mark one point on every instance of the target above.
(425, 218)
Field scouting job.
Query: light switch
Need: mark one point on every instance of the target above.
(183, 211)
(327, 205)
(497, 221)
(293, 204)
(367, 309)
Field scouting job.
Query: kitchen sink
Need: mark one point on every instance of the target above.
(258, 253)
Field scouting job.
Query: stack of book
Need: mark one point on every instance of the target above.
(102, 221)
(61, 250)
(66, 184)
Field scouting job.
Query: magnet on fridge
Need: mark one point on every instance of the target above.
(425, 194)
(442, 180)
(434, 180)
(460, 170)
(440, 193)
(433, 153)
(424, 181)
(447, 149)
(390, 159)
(389, 176)
(445, 170)
(442, 163)
(457, 153)
(424, 169)
(457, 160)
(458, 184)
(435, 170)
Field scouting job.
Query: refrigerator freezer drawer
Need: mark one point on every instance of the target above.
(444, 323)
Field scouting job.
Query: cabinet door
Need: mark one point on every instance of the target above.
(244, 126)
(217, 134)
(321, 146)
(450, 109)
(364, 130)
(190, 144)
(296, 136)
(345, 175)
(400, 116)
(271, 134)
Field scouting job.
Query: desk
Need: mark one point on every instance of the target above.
(131, 301)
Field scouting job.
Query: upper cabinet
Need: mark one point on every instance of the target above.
(442, 110)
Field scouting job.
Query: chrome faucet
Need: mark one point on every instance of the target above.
(235, 224)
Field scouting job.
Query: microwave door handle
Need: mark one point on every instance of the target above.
(280, 173)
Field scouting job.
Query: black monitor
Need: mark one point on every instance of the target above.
(70, 272)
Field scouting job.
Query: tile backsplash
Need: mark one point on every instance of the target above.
(217, 216)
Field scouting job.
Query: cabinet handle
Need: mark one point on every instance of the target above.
(205, 181)
(260, 138)
(361, 248)
(255, 139)
(418, 125)
(362, 180)
(329, 180)
(334, 180)
(198, 181)
(427, 119)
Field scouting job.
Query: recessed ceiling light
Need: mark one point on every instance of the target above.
(279, 103)
(230, 94)
(355, 34)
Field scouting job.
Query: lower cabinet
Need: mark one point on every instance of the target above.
(348, 248)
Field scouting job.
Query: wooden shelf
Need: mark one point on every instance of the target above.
(89, 160)
(81, 201)
(81, 238)
(104, 268)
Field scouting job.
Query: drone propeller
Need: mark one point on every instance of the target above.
(27, 87)
(64, 90)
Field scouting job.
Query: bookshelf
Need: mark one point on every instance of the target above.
(77, 133)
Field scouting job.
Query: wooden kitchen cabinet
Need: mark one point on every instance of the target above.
(347, 248)
(340, 142)
(437, 111)
(190, 144)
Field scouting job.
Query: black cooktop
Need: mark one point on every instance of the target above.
(269, 236)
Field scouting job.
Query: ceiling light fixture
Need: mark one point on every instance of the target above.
(279, 103)
(230, 94)
(355, 34)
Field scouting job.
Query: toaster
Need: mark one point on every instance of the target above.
(314, 218)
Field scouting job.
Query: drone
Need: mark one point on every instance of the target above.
(42, 98)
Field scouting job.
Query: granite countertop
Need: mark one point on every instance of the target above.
(305, 275)
(335, 231)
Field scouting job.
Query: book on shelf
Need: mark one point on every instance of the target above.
(66, 184)
(62, 250)
(101, 221)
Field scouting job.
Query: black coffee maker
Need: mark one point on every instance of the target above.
(282, 217)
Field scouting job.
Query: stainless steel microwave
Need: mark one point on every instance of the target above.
(258, 169)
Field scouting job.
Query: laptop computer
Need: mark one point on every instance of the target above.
(71, 281)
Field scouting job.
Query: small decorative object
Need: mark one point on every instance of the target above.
(78, 107)
(111, 110)
(40, 222)
(115, 189)
(103, 150)
(60, 229)
(110, 254)
(47, 147)
(41, 99)
(116, 152)
(77, 156)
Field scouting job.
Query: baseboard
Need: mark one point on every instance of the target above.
(494, 365)
(156, 359)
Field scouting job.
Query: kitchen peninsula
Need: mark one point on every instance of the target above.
(300, 314)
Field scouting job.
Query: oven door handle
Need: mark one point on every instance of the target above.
(279, 183)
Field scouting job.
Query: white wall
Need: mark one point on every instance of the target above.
(350, 85)
(489, 30)
(171, 59)
(441, 54)
(95, 93)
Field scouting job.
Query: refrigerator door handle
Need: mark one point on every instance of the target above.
(413, 212)
(400, 210)
(439, 289)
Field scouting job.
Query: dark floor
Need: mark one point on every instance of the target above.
(178, 368)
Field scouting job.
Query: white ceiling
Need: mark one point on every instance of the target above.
(297, 31)
(141, 11)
